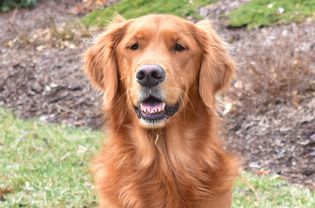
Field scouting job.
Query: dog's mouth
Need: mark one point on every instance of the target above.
(153, 111)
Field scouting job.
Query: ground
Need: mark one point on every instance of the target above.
(270, 117)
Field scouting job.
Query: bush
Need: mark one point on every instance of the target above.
(6, 5)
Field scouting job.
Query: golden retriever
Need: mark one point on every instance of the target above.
(159, 75)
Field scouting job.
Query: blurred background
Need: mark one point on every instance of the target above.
(269, 111)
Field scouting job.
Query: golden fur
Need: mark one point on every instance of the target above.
(180, 162)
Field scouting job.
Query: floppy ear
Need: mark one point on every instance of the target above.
(100, 62)
(217, 66)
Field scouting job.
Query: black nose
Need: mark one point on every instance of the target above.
(150, 75)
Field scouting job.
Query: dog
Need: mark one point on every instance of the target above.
(159, 75)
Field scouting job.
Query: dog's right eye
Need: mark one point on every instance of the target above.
(179, 47)
(134, 46)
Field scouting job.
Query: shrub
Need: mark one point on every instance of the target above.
(6, 5)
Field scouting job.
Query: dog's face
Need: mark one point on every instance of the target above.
(157, 59)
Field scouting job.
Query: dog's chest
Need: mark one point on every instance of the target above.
(162, 186)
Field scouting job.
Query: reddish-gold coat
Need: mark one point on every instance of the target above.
(182, 162)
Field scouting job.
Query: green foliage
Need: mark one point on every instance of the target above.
(135, 8)
(45, 165)
(7, 5)
(257, 13)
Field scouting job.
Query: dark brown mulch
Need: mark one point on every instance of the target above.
(271, 123)
(52, 87)
(41, 70)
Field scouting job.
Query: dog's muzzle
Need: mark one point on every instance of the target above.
(152, 108)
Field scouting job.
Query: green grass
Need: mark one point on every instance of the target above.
(257, 13)
(270, 191)
(135, 8)
(45, 165)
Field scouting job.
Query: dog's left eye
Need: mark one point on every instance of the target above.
(179, 47)
(134, 46)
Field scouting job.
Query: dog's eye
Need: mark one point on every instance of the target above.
(134, 46)
(179, 47)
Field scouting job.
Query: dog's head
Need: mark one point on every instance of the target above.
(157, 59)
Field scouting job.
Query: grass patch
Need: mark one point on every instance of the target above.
(45, 165)
(136, 8)
(270, 191)
(257, 13)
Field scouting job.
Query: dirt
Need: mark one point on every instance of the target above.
(270, 115)
(41, 72)
(273, 121)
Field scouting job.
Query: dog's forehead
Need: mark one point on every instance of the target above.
(153, 24)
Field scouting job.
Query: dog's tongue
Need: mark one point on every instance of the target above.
(152, 107)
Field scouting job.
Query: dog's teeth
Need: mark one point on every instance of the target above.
(152, 109)
(145, 110)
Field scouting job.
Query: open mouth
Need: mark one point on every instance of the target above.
(153, 110)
